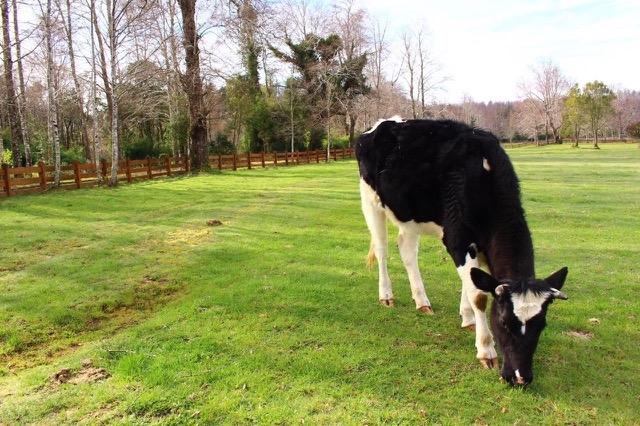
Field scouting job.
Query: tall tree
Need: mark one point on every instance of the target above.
(597, 103)
(316, 60)
(94, 101)
(10, 87)
(169, 48)
(21, 99)
(423, 72)
(573, 114)
(350, 24)
(53, 128)
(244, 28)
(193, 87)
(66, 11)
(548, 89)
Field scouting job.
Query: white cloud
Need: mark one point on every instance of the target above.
(487, 47)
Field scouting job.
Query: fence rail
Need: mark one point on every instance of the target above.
(29, 180)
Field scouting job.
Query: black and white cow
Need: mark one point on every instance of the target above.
(455, 182)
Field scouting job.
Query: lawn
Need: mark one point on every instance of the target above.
(243, 298)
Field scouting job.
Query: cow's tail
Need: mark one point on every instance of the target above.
(371, 256)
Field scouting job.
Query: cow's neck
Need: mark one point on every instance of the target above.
(510, 251)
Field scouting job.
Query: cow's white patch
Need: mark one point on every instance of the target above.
(485, 164)
(395, 118)
(527, 306)
(423, 228)
(373, 201)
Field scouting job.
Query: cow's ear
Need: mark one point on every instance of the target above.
(556, 280)
(484, 281)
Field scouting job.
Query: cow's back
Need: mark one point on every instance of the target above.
(416, 165)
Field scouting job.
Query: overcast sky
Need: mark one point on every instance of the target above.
(487, 46)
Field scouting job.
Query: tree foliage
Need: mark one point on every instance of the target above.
(597, 104)
(634, 129)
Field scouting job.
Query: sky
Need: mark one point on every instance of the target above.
(486, 47)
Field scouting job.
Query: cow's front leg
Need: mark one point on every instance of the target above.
(477, 301)
(408, 246)
(466, 312)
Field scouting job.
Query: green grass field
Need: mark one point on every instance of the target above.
(271, 317)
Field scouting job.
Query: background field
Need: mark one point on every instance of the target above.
(243, 298)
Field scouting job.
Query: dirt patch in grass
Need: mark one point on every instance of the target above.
(581, 335)
(92, 322)
(88, 373)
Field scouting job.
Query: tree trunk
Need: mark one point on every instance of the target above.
(94, 105)
(11, 99)
(192, 82)
(21, 100)
(113, 50)
(103, 61)
(76, 82)
(54, 135)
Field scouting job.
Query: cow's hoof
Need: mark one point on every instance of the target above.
(426, 310)
(490, 363)
(470, 327)
(387, 302)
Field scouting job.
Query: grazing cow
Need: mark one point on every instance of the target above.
(455, 182)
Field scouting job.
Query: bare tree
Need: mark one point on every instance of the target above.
(94, 101)
(529, 119)
(382, 85)
(299, 18)
(53, 128)
(548, 89)
(350, 22)
(166, 23)
(21, 100)
(627, 111)
(121, 19)
(13, 114)
(423, 72)
(65, 10)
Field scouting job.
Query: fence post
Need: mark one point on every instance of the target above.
(286, 158)
(7, 180)
(235, 162)
(43, 175)
(127, 170)
(262, 159)
(168, 160)
(187, 166)
(275, 158)
(76, 173)
(249, 160)
(103, 167)
(149, 174)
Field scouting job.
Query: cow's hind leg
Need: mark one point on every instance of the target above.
(376, 220)
(408, 246)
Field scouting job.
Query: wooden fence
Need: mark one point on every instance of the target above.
(28, 180)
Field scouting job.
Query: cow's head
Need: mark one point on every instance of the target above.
(518, 316)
